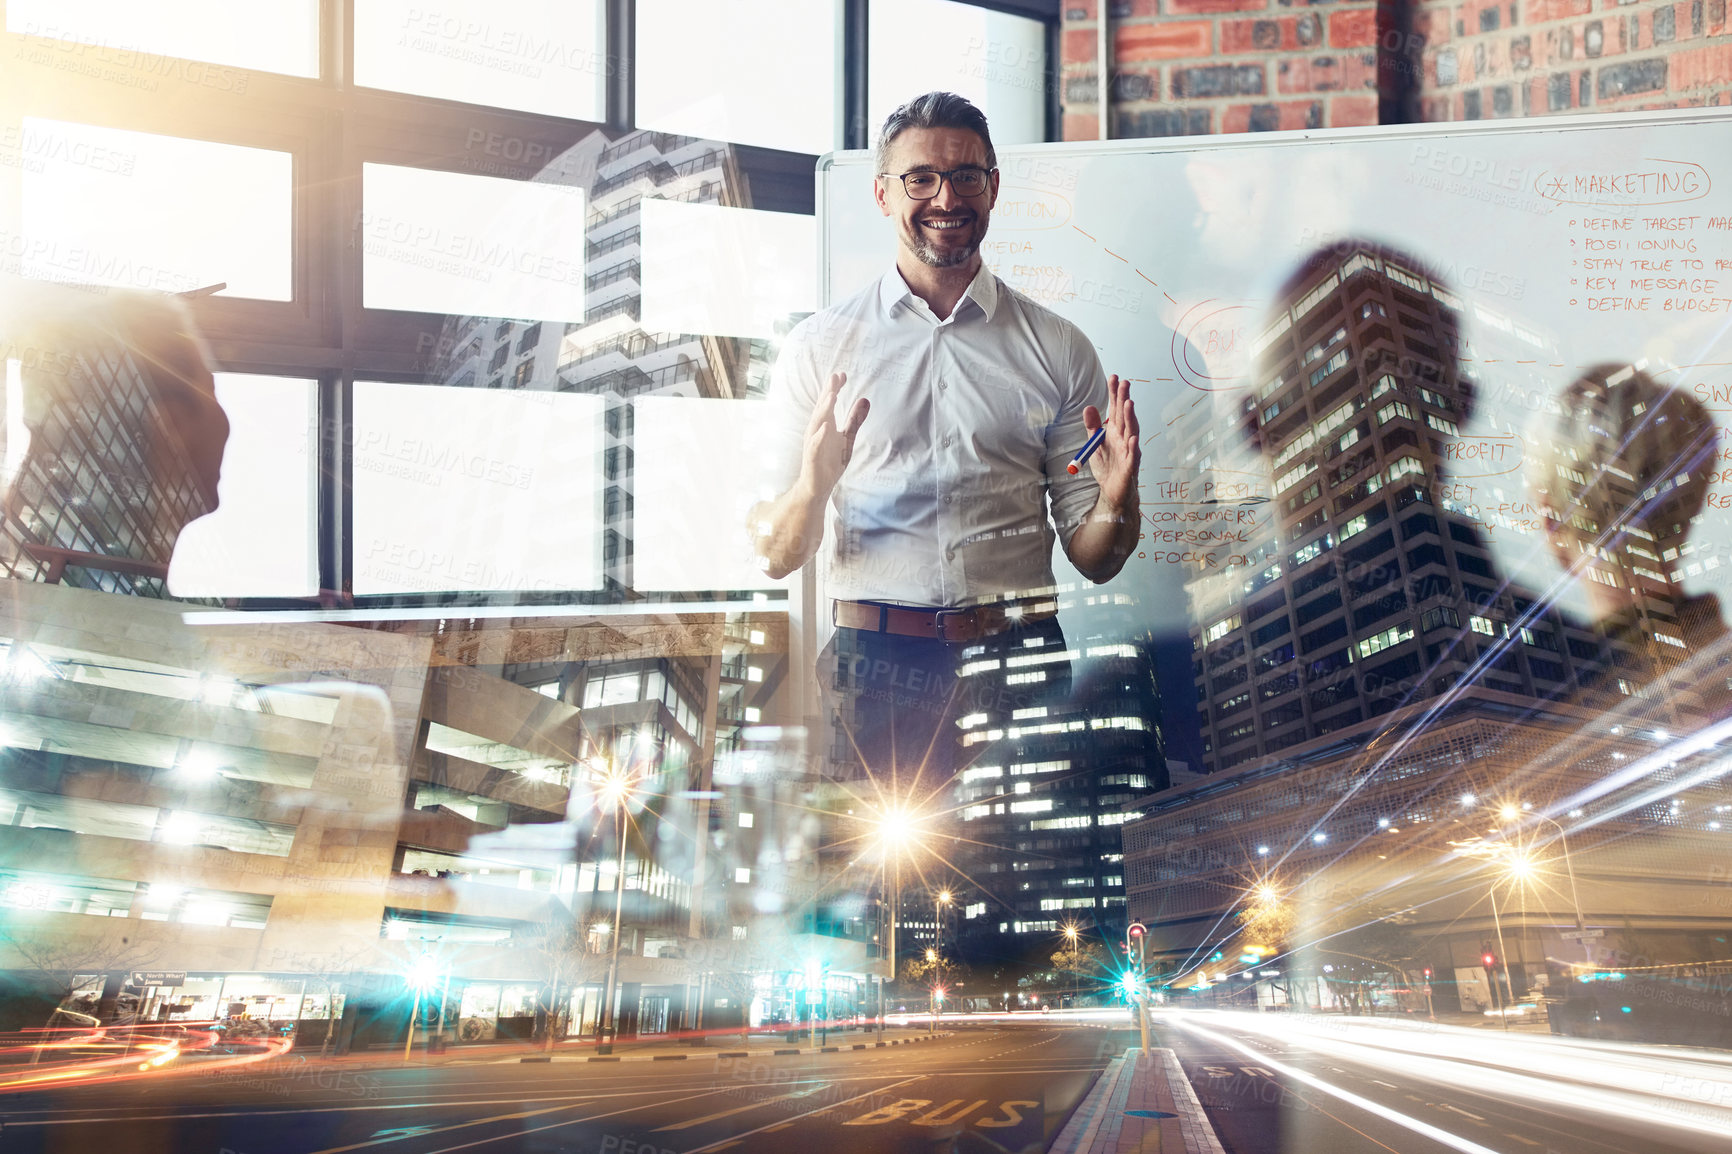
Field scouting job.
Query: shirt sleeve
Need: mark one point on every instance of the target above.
(1072, 497)
(788, 410)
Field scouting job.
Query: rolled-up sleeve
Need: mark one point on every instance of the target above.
(1085, 383)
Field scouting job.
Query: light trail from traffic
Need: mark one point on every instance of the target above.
(145, 1051)
(1662, 1086)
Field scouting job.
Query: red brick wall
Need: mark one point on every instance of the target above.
(1486, 59)
(1184, 67)
(1194, 66)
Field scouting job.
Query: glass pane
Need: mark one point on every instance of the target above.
(260, 540)
(547, 56)
(270, 35)
(448, 242)
(704, 69)
(708, 268)
(996, 61)
(134, 210)
(474, 489)
(692, 536)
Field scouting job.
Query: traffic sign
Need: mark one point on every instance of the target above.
(157, 978)
(1581, 935)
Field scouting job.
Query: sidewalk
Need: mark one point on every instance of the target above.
(654, 1050)
(1143, 1102)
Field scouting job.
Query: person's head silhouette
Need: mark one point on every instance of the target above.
(117, 438)
(1618, 472)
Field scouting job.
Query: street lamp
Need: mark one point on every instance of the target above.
(897, 830)
(1510, 813)
(1072, 939)
(936, 954)
(614, 788)
(423, 975)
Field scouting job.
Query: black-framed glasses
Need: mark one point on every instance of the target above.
(923, 184)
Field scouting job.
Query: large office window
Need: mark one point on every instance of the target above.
(136, 210)
(260, 541)
(270, 35)
(705, 69)
(449, 242)
(994, 59)
(728, 271)
(545, 56)
(475, 490)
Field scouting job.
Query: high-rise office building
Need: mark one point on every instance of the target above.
(1368, 582)
(1037, 810)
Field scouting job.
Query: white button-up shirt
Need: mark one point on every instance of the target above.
(973, 421)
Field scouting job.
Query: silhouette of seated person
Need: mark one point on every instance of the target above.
(124, 439)
(1619, 472)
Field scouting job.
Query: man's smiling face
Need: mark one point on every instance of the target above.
(946, 231)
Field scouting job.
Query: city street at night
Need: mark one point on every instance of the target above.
(981, 1089)
(1266, 1083)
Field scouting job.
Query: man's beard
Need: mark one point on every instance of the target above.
(950, 256)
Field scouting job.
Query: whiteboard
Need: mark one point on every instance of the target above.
(1167, 252)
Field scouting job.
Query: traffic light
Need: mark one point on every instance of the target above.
(1427, 972)
(1489, 960)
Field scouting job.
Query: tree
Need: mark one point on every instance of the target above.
(1360, 955)
(732, 968)
(330, 970)
(59, 962)
(570, 957)
(927, 970)
(1079, 961)
(1268, 924)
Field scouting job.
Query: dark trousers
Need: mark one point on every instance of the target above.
(893, 702)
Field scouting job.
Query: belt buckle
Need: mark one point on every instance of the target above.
(940, 618)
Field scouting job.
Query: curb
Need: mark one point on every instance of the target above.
(1079, 1133)
(1104, 1107)
(562, 1059)
(1200, 1136)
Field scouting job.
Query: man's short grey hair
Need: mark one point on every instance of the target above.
(934, 110)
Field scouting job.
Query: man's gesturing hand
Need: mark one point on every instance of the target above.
(829, 448)
(1120, 455)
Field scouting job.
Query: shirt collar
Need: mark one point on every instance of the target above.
(982, 290)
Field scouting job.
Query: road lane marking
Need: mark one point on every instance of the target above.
(687, 1125)
(397, 1136)
(1523, 1141)
(172, 1115)
(1386, 1085)
(789, 1122)
(1464, 1113)
(557, 1125)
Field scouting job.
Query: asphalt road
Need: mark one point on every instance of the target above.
(1279, 1095)
(987, 1090)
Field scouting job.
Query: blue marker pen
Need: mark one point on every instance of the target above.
(1087, 451)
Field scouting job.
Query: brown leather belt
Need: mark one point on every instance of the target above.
(940, 624)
